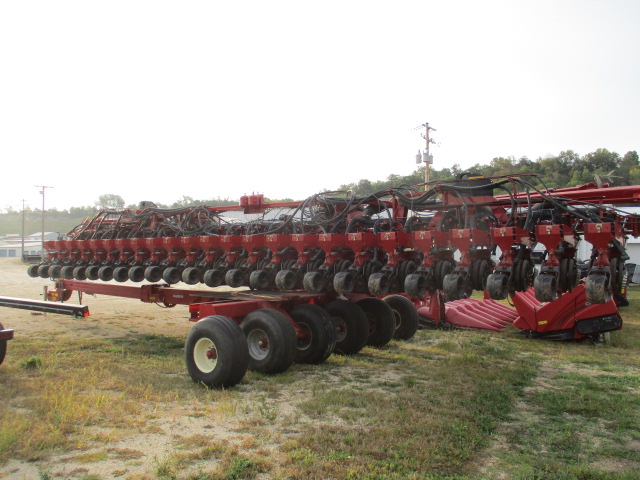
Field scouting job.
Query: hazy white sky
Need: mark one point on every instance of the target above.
(152, 100)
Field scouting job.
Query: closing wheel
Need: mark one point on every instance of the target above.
(405, 314)
(121, 274)
(378, 284)
(105, 273)
(54, 271)
(351, 325)
(32, 271)
(234, 278)
(382, 321)
(3, 347)
(285, 280)
(92, 272)
(596, 289)
(317, 337)
(68, 273)
(216, 352)
(453, 286)
(136, 274)
(415, 285)
(497, 286)
(259, 280)
(343, 282)
(545, 287)
(172, 275)
(191, 276)
(271, 340)
(43, 271)
(153, 274)
(213, 278)
(442, 268)
(79, 273)
(314, 282)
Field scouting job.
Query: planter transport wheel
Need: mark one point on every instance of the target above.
(382, 321)
(351, 325)
(317, 339)
(216, 352)
(271, 340)
(405, 314)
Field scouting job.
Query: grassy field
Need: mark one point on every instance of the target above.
(445, 405)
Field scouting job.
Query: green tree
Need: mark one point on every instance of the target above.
(110, 201)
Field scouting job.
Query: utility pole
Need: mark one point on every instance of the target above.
(22, 250)
(426, 157)
(42, 233)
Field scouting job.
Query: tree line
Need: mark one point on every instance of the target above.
(567, 169)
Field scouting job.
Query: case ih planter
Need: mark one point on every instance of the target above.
(337, 271)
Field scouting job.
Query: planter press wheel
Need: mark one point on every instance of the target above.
(191, 276)
(43, 271)
(32, 271)
(405, 314)
(79, 273)
(453, 286)
(441, 269)
(285, 280)
(378, 284)
(317, 338)
(480, 270)
(271, 340)
(545, 288)
(136, 274)
(216, 352)
(91, 272)
(351, 325)
(54, 271)
(568, 274)
(314, 282)
(121, 274)
(382, 321)
(498, 286)
(415, 285)
(214, 277)
(343, 282)
(105, 273)
(234, 277)
(172, 275)
(597, 289)
(259, 280)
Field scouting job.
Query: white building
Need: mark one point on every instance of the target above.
(11, 245)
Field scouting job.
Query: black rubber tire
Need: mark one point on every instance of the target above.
(106, 273)
(172, 275)
(406, 316)
(54, 271)
(285, 280)
(3, 347)
(153, 274)
(92, 272)
(596, 289)
(191, 276)
(79, 273)
(259, 280)
(545, 288)
(32, 271)
(343, 282)
(213, 278)
(351, 325)
(453, 286)
(497, 286)
(314, 282)
(274, 327)
(382, 321)
(136, 274)
(230, 345)
(121, 274)
(43, 271)
(234, 278)
(378, 284)
(415, 285)
(319, 333)
(68, 273)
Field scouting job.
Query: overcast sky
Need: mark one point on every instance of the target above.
(153, 100)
